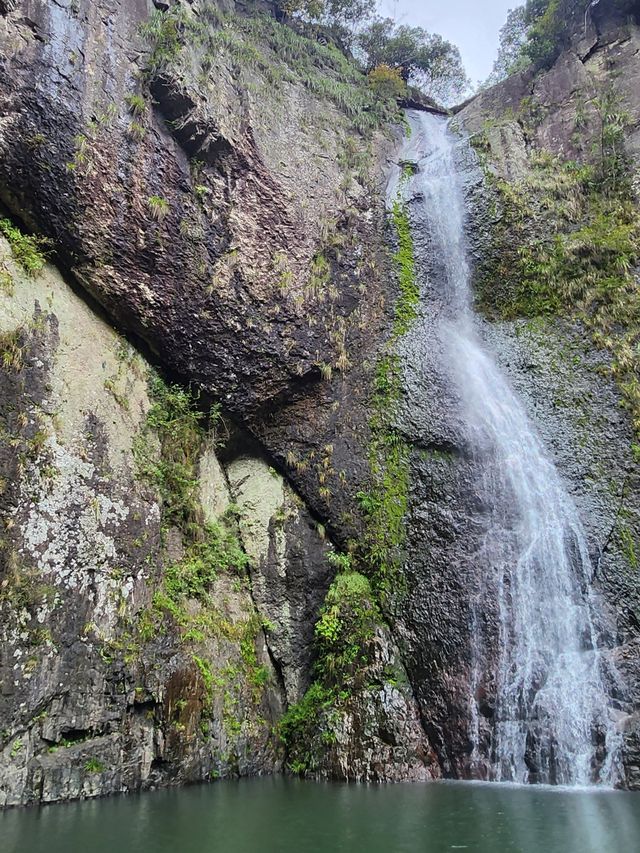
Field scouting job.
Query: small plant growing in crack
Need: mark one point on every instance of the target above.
(158, 207)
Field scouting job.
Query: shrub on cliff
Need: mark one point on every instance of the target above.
(345, 637)
(29, 251)
(387, 82)
(345, 629)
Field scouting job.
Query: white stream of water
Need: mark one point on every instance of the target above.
(551, 708)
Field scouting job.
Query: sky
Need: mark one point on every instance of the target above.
(472, 25)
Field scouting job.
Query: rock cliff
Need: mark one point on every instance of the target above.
(235, 505)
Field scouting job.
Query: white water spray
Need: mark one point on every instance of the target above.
(551, 722)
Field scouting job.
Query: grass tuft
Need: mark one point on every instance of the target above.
(29, 251)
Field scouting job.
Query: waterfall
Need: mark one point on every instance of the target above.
(551, 722)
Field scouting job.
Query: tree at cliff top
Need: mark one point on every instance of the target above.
(340, 14)
(534, 33)
(425, 60)
(387, 82)
(511, 57)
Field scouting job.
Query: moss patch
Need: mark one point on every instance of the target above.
(351, 612)
(176, 423)
(185, 603)
(384, 504)
(305, 729)
(406, 307)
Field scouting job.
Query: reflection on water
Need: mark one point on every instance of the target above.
(288, 816)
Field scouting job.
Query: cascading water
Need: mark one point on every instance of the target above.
(551, 722)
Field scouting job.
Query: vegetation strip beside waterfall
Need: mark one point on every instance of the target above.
(357, 603)
(386, 503)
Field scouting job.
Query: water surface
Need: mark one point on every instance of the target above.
(277, 815)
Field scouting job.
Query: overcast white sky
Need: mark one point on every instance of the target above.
(472, 25)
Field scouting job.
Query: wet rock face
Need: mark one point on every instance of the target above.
(562, 380)
(131, 195)
(379, 736)
(226, 229)
(440, 624)
(226, 222)
(92, 701)
(560, 377)
(237, 231)
(183, 214)
(290, 572)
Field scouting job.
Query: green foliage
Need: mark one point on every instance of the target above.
(136, 103)
(175, 421)
(320, 274)
(387, 83)
(158, 207)
(166, 453)
(259, 46)
(567, 242)
(22, 588)
(629, 546)
(282, 55)
(592, 265)
(93, 765)
(257, 674)
(424, 59)
(511, 57)
(164, 33)
(229, 679)
(384, 503)
(29, 251)
(217, 551)
(613, 161)
(341, 562)
(336, 14)
(345, 629)
(344, 637)
(204, 667)
(547, 31)
(305, 729)
(6, 282)
(537, 32)
(369, 503)
(16, 748)
(11, 349)
(136, 131)
(407, 305)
